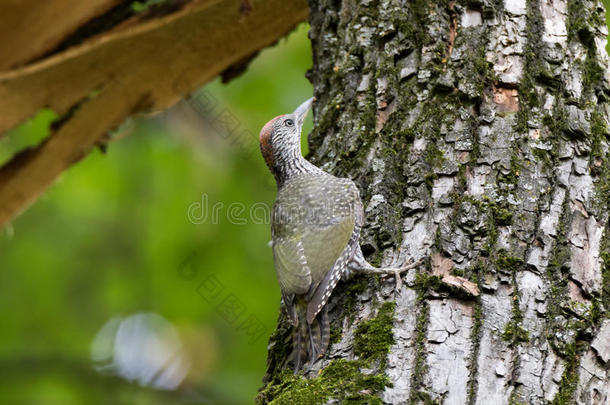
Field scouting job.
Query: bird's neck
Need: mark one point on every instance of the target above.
(291, 165)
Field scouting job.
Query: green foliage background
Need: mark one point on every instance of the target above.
(112, 237)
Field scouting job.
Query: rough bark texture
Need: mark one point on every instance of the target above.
(477, 132)
(95, 63)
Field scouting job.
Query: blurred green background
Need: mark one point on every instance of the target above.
(113, 238)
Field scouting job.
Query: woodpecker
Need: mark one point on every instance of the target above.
(315, 229)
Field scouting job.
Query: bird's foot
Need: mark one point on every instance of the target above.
(397, 272)
(360, 265)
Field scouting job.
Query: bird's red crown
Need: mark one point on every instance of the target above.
(265, 141)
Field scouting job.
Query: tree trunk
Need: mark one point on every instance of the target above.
(477, 132)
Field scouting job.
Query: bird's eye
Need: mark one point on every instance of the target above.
(289, 122)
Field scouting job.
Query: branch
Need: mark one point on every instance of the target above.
(145, 63)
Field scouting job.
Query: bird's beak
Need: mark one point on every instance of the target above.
(301, 111)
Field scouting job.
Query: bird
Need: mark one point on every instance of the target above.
(315, 228)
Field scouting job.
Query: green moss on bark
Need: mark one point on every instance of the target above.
(533, 69)
(477, 328)
(514, 333)
(419, 367)
(582, 22)
(342, 380)
(374, 337)
(357, 285)
(569, 378)
(507, 263)
(513, 330)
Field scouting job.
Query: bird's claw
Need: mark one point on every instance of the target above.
(397, 276)
(398, 272)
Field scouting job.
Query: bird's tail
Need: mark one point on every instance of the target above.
(310, 341)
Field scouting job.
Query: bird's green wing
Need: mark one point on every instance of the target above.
(354, 221)
(291, 265)
(324, 243)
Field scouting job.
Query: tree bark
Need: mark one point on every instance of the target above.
(477, 132)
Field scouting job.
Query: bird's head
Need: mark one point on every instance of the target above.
(280, 138)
